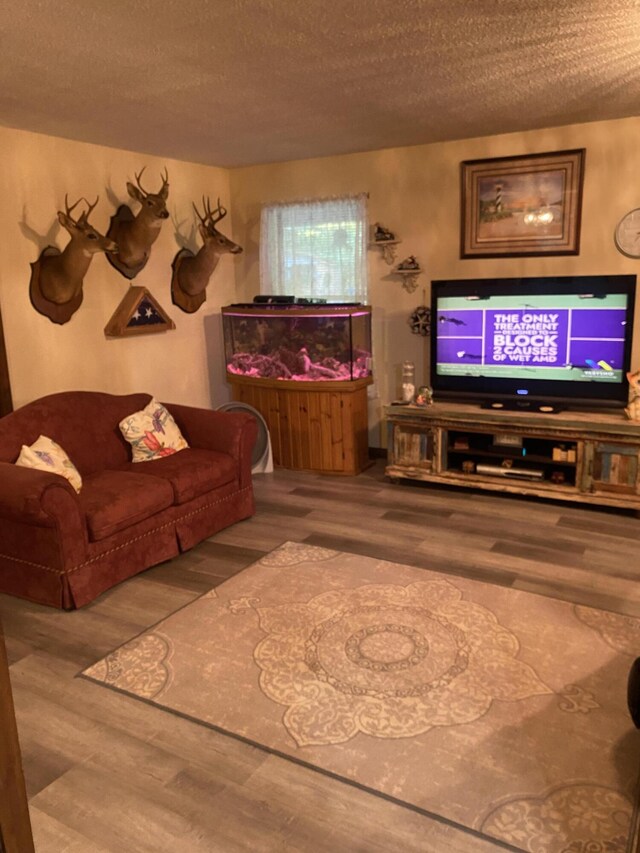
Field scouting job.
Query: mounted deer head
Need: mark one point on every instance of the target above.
(136, 234)
(57, 277)
(191, 273)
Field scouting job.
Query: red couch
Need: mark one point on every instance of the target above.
(64, 549)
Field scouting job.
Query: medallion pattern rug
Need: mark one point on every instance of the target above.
(501, 711)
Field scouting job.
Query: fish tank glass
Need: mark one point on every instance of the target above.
(299, 343)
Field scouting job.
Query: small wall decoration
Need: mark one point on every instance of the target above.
(139, 313)
(522, 205)
(191, 272)
(385, 240)
(382, 234)
(56, 281)
(135, 235)
(420, 321)
(409, 270)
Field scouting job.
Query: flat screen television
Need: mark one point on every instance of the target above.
(526, 342)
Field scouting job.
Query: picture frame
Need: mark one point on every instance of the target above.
(523, 205)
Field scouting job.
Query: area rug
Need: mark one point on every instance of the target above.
(500, 711)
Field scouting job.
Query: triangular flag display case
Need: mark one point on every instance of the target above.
(139, 313)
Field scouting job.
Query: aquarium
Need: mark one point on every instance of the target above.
(300, 343)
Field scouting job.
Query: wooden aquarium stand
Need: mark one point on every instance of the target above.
(589, 457)
(314, 426)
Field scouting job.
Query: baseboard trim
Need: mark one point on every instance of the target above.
(377, 453)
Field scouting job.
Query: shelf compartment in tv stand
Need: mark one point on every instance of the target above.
(604, 447)
(533, 453)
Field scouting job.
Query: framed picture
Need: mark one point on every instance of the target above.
(517, 206)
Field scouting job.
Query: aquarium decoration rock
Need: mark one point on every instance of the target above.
(298, 366)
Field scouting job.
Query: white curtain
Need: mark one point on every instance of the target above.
(315, 249)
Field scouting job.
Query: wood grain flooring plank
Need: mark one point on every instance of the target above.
(17, 648)
(415, 518)
(193, 580)
(530, 551)
(446, 553)
(239, 555)
(462, 569)
(603, 562)
(540, 535)
(125, 813)
(401, 536)
(282, 508)
(588, 598)
(209, 751)
(69, 640)
(624, 528)
(357, 819)
(41, 765)
(52, 836)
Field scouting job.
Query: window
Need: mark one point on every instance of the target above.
(315, 249)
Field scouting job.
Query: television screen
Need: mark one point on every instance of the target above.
(563, 338)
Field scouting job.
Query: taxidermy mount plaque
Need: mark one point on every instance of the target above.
(135, 235)
(191, 272)
(56, 277)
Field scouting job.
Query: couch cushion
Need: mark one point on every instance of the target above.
(46, 455)
(114, 500)
(191, 472)
(152, 433)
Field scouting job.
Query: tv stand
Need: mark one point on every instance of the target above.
(588, 457)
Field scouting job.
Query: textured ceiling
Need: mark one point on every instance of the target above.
(239, 82)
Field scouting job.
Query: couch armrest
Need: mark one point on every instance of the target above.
(40, 499)
(234, 433)
(22, 491)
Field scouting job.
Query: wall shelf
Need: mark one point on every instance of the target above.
(388, 247)
(409, 278)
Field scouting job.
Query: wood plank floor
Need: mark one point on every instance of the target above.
(105, 772)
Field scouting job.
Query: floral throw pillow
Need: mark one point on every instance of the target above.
(152, 433)
(45, 455)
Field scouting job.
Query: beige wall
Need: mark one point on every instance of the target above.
(415, 192)
(184, 365)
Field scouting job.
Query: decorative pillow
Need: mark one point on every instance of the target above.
(152, 433)
(45, 455)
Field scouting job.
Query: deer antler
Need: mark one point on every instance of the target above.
(210, 216)
(165, 181)
(69, 210)
(204, 218)
(138, 176)
(84, 216)
(221, 211)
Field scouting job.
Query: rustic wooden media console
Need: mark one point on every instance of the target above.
(590, 457)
